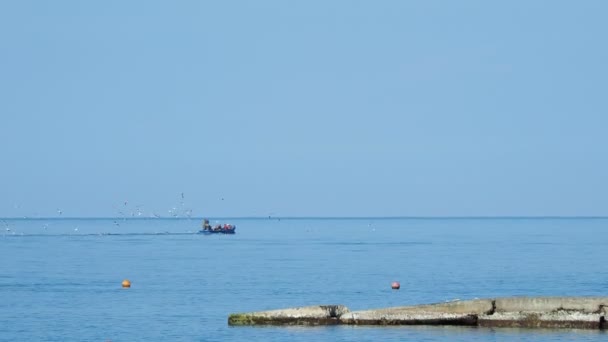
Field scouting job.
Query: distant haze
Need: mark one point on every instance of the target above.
(308, 108)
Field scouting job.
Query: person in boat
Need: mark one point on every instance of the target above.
(217, 227)
(206, 225)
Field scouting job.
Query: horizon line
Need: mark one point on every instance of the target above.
(310, 217)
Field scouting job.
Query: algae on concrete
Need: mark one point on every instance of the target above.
(240, 319)
(531, 312)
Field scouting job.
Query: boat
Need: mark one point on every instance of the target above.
(218, 229)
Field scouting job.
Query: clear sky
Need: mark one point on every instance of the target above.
(303, 108)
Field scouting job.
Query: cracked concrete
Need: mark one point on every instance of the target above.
(526, 312)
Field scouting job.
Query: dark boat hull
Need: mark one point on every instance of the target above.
(222, 231)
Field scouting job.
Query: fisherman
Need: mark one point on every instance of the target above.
(206, 225)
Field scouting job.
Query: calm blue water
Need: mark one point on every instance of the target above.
(61, 280)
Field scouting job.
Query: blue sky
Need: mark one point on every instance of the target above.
(303, 108)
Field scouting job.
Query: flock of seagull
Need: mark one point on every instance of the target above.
(124, 212)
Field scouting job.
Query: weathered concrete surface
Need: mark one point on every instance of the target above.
(528, 312)
(307, 315)
(452, 313)
(545, 304)
(547, 312)
(558, 319)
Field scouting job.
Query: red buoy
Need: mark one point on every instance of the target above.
(395, 285)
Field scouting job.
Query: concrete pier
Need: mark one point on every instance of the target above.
(522, 312)
(307, 315)
(548, 312)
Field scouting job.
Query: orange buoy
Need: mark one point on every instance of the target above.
(126, 283)
(395, 285)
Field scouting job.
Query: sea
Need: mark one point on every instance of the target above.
(60, 279)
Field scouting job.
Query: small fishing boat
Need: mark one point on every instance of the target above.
(217, 229)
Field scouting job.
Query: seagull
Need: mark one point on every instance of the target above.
(59, 212)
